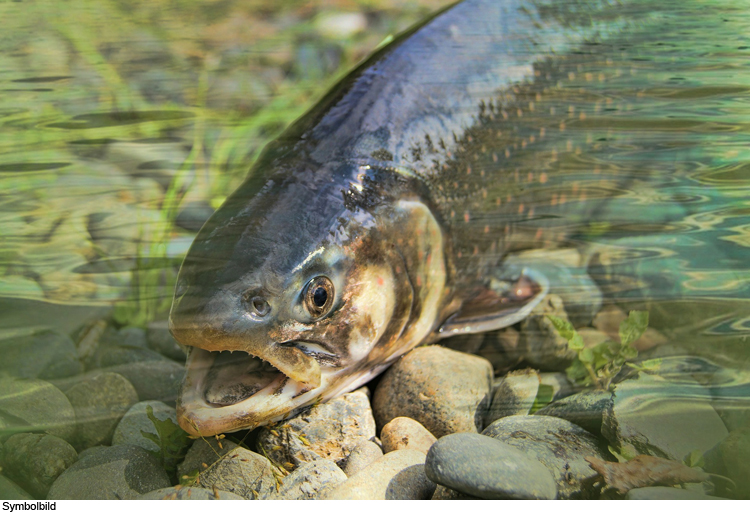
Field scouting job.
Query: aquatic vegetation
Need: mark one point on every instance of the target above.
(172, 441)
(599, 364)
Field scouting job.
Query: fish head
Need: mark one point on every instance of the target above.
(288, 296)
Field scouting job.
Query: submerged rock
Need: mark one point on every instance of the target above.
(330, 430)
(37, 460)
(45, 355)
(444, 390)
(731, 458)
(99, 403)
(243, 472)
(117, 472)
(666, 493)
(160, 339)
(540, 343)
(483, 467)
(514, 394)
(34, 406)
(652, 416)
(204, 452)
(136, 420)
(559, 445)
(585, 409)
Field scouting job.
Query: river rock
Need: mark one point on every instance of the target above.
(44, 355)
(363, 454)
(666, 493)
(540, 343)
(500, 348)
(443, 493)
(109, 355)
(34, 405)
(204, 452)
(514, 394)
(117, 472)
(36, 460)
(559, 445)
(558, 383)
(330, 430)
(99, 404)
(189, 493)
(136, 420)
(160, 339)
(398, 475)
(9, 490)
(652, 416)
(585, 409)
(243, 472)
(731, 458)
(405, 433)
(306, 481)
(484, 467)
(129, 336)
(444, 390)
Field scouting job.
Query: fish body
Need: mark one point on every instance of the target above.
(385, 216)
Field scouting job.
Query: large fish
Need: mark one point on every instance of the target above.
(388, 215)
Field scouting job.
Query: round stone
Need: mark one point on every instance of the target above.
(484, 467)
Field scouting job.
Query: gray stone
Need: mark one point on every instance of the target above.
(110, 354)
(152, 380)
(306, 481)
(9, 490)
(540, 343)
(661, 418)
(500, 348)
(36, 460)
(204, 452)
(399, 475)
(129, 336)
(188, 493)
(330, 430)
(667, 493)
(243, 472)
(117, 472)
(44, 355)
(99, 403)
(585, 409)
(128, 430)
(558, 383)
(484, 467)
(731, 459)
(34, 406)
(363, 454)
(160, 339)
(558, 444)
(405, 433)
(515, 394)
(444, 390)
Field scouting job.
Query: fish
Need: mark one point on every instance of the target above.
(388, 216)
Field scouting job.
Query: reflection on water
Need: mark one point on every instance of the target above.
(632, 148)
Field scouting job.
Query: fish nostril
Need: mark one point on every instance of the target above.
(260, 306)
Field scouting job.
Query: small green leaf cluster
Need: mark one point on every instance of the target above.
(172, 441)
(599, 364)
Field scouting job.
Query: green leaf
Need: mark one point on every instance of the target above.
(576, 342)
(577, 372)
(169, 438)
(633, 327)
(563, 327)
(544, 396)
(629, 352)
(694, 459)
(586, 355)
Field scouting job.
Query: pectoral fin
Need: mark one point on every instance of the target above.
(501, 303)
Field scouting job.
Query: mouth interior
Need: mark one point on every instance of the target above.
(235, 376)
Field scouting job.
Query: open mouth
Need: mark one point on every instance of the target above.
(235, 376)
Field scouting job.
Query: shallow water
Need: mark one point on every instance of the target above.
(107, 134)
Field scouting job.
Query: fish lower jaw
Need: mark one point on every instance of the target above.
(230, 391)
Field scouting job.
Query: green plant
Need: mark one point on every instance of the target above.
(170, 439)
(599, 364)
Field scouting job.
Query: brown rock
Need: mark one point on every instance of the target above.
(405, 433)
(444, 390)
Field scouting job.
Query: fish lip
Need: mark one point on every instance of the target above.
(200, 417)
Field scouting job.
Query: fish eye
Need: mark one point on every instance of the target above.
(319, 296)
